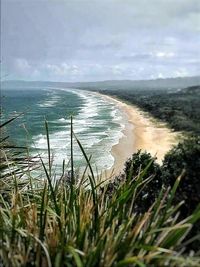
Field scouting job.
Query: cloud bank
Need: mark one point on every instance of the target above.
(69, 40)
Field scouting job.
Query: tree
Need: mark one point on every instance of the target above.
(184, 158)
(142, 163)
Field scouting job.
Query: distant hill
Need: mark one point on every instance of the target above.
(169, 83)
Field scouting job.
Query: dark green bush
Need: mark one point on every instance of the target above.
(141, 164)
(135, 166)
(185, 159)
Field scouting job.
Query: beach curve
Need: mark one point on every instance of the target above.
(141, 132)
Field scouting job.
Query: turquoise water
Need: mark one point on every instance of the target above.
(98, 123)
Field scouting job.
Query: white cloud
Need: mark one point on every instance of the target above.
(164, 54)
(89, 71)
(160, 75)
(62, 69)
(117, 70)
(22, 65)
(182, 72)
(23, 68)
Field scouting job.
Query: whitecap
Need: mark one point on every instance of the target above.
(98, 125)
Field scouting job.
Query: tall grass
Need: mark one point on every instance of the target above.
(74, 222)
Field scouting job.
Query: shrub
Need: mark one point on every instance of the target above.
(184, 158)
(49, 223)
(143, 164)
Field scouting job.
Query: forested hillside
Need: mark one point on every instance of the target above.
(180, 108)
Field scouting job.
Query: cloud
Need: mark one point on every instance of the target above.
(106, 39)
(63, 69)
(76, 71)
(182, 72)
(164, 54)
(22, 65)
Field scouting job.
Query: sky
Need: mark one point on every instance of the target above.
(79, 40)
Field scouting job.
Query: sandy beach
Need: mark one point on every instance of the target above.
(141, 132)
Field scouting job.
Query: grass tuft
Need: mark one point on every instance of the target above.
(53, 223)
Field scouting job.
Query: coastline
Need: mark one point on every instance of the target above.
(141, 132)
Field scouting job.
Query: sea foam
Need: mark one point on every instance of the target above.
(98, 124)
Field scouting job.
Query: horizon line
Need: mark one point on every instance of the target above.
(131, 80)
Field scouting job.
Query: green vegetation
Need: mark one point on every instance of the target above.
(78, 222)
(185, 157)
(179, 108)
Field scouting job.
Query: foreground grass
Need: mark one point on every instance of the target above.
(74, 222)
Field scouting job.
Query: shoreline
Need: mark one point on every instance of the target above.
(141, 132)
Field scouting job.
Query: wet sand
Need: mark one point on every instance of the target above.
(141, 132)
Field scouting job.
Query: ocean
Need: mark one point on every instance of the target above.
(97, 122)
